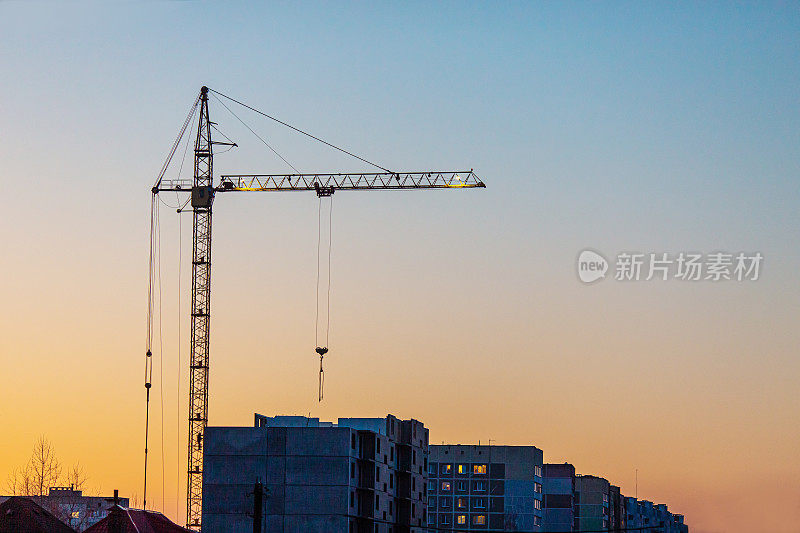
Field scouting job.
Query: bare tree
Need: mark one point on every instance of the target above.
(45, 469)
(76, 477)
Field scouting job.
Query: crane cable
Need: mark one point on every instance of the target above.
(148, 362)
(322, 350)
(301, 131)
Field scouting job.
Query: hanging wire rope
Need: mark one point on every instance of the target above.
(299, 130)
(322, 350)
(154, 281)
(160, 350)
(256, 134)
(148, 362)
(178, 373)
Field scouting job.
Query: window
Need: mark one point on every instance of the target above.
(537, 504)
(605, 498)
(461, 503)
(352, 470)
(353, 441)
(413, 483)
(479, 519)
(479, 503)
(431, 486)
(444, 503)
(446, 486)
(377, 504)
(377, 473)
(445, 519)
(352, 499)
(537, 471)
(390, 506)
(432, 468)
(391, 481)
(537, 521)
(431, 501)
(431, 519)
(447, 469)
(480, 486)
(391, 453)
(479, 469)
(537, 487)
(414, 452)
(378, 445)
(462, 469)
(462, 486)
(461, 519)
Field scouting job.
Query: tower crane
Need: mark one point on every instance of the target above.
(202, 190)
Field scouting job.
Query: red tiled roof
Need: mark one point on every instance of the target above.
(122, 520)
(22, 515)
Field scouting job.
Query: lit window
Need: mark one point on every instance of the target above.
(76, 514)
(445, 486)
(537, 471)
(537, 504)
(537, 487)
(479, 519)
(479, 469)
(461, 503)
(461, 519)
(446, 469)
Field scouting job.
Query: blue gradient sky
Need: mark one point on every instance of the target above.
(618, 126)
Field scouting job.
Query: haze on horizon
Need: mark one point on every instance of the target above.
(627, 126)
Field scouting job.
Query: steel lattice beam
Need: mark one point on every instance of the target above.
(202, 200)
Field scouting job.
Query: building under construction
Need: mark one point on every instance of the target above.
(296, 474)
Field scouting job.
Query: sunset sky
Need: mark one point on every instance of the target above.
(616, 126)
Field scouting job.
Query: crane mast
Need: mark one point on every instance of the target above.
(203, 192)
(202, 201)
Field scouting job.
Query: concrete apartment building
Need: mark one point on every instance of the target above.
(485, 488)
(644, 513)
(559, 487)
(574, 502)
(359, 475)
(591, 503)
(73, 508)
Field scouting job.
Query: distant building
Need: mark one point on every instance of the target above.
(616, 509)
(591, 503)
(479, 488)
(73, 508)
(559, 487)
(644, 513)
(360, 475)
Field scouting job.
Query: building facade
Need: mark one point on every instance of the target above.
(359, 475)
(559, 488)
(485, 488)
(591, 503)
